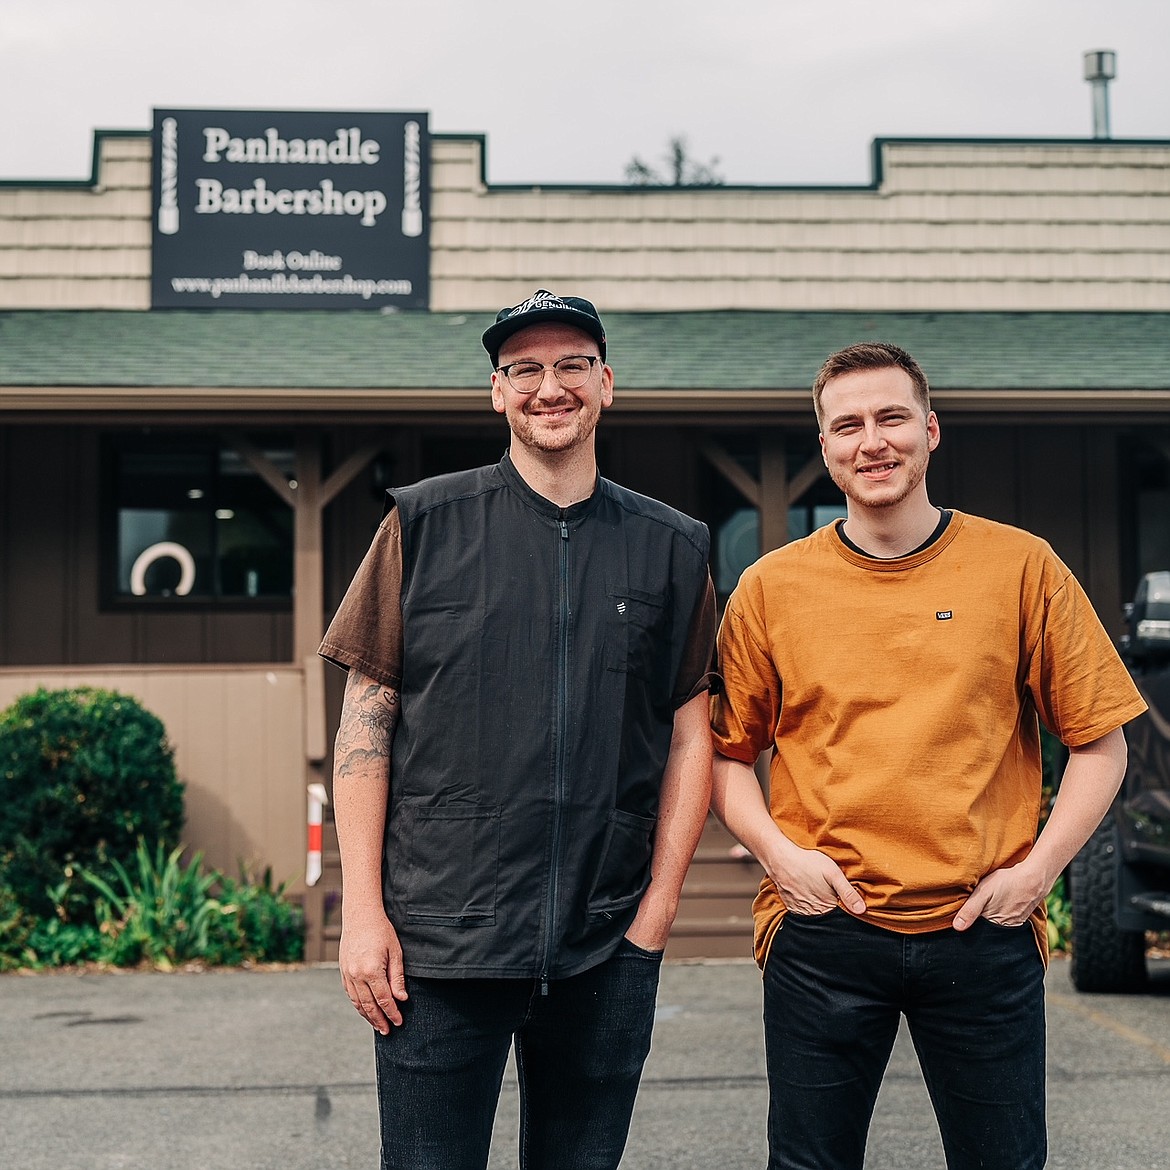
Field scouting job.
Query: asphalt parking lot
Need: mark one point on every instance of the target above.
(274, 1069)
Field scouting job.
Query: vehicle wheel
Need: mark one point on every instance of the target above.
(1104, 958)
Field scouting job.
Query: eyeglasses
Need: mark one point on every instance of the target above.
(571, 373)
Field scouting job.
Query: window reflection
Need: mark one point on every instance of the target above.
(194, 521)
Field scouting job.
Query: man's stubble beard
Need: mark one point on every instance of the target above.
(915, 474)
(529, 433)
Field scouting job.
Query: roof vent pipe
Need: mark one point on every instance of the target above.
(1100, 70)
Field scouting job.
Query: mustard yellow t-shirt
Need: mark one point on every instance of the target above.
(901, 697)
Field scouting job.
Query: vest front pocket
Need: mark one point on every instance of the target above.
(623, 871)
(453, 861)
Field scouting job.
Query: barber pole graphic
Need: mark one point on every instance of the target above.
(412, 220)
(317, 802)
(168, 205)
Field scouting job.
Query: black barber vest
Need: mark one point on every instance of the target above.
(541, 651)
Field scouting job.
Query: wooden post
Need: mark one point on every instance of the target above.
(308, 628)
(773, 491)
(308, 569)
(313, 494)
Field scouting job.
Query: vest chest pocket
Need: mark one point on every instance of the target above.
(453, 865)
(637, 637)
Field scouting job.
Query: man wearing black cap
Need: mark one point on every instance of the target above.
(522, 770)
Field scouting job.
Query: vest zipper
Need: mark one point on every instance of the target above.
(566, 614)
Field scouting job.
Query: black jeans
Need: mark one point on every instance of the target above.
(835, 988)
(579, 1056)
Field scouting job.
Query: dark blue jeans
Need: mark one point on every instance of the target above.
(835, 988)
(579, 1055)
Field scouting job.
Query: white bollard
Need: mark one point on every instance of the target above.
(317, 802)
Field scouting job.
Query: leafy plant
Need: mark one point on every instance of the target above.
(161, 915)
(84, 773)
(258, 922)
(53, 942)
(1059, 917)
(1053, 757)
(164, 913)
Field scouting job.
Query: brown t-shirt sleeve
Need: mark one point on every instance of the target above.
(366, 631)
(697, 673)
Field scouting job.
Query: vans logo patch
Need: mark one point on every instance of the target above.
(945, 615)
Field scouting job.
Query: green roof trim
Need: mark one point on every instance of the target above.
(727, 350)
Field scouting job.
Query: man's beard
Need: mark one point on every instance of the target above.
(530, 433)
(914, 473)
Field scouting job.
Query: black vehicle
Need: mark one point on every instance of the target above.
(1120, 880)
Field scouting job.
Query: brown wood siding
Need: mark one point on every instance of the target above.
(1106, 574)
(1059, 482)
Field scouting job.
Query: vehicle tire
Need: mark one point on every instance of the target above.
(1104, 958)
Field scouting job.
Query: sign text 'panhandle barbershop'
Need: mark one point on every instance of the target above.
(290, 209)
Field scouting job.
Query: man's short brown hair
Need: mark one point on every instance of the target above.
(870, 355)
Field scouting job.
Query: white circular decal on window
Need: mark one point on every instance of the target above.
(164, 548)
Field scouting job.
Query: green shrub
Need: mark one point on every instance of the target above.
(1059, 917)
(1053, 757)
(57, 942)
(84, 773)
(258, 923)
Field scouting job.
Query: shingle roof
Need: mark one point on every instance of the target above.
(728, 350)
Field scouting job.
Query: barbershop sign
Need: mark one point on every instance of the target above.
(290, 210)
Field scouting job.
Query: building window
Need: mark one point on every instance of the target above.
(190, 521)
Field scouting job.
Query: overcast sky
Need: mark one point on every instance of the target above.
(779, 91)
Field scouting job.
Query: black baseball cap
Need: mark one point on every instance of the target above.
(543, 306)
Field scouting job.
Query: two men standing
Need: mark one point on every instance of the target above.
(524, 765)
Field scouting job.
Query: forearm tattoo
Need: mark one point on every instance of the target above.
(369, 716)
(378, 714)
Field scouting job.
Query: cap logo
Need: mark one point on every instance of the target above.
(541, 299)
